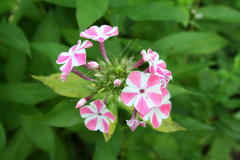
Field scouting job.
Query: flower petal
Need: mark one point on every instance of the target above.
(141, 105)
(134, 79)
(67, 67)
(91, 123)
(87, 111)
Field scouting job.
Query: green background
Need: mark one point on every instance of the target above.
(199, 40)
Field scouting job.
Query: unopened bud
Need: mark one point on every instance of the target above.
(81, 102)
(117, 82)
(93, 65)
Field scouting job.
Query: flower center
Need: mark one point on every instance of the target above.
(99, 114)
(142, 91)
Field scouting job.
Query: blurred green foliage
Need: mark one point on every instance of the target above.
(199, 40)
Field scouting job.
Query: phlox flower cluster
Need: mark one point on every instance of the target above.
(144, 91)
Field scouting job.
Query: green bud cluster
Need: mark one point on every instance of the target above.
(109, 71)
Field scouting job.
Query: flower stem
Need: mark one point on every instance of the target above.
(138, 63)
(134, 114)
(103, 51)
(82, 75)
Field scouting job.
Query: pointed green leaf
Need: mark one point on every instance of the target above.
(26, 93)
(88, 11)
(190, 43)
(224, 13)
(168, 125)
(63, 114)
(114, 109)
(13, 36)
(74, 86)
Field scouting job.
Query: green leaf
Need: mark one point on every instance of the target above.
(155, 11)
(168, 125)
(25, 93)
(49, 49)
(88, 11)
(16, 63)
(190, 43)
(13, 36)
(74, 86)
(114, 109)
(221, 148)
(177, 89)
(220, 13)
(18, 148)
(63, 114)
(192, 124)
(2, 137)
(65, 3)
(41, 135)
(108, 150)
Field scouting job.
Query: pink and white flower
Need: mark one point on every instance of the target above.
(149, 55)
(100, 34)
(157, 114)
(92, 65)
(134, 123)
(158, 67)
(142, 91)
(98, 117)
(76, 56)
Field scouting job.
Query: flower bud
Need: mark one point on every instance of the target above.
(81, 102)
(93, 65)
(134, 123)
(117, 82)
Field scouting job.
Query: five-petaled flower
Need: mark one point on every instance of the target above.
(160, 112)
(100, 34)
(76, 56)
(98, 117)
(149, 55)
(143, 91)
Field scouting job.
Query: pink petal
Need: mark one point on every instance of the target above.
(106, 28)
(164, 92)
(91, 124)
(80, 58)
(109, 115)
(105, 126)
(165, 109)
(126, 97)
(153, 80)
(92, 31)
(84, 111)
(99, 105)
(154, 121)
(62, 58)
(155, 97)
(142, 106)
(86, 44)
(135, 78)
(67, 67)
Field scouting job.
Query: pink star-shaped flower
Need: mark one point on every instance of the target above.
(149, 55)
(98, 117)
(158, 67)
(76, 56)
(142, 91)
(134, 123)
(157, 114)
(100, 34)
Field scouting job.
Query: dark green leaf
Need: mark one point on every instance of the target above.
(2, 137)
(26, 93)
(13, 36)
(190, 43)
(88, 11)
(65, 3)
(18, 148)
(220, 13)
